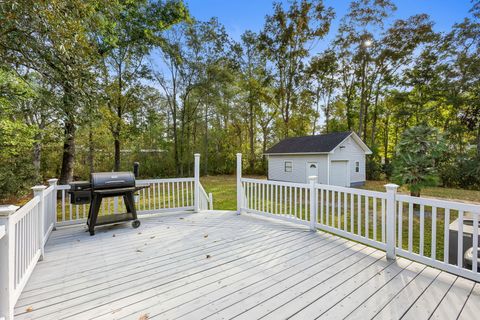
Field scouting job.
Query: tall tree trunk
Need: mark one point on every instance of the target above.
(91, 148)
(317, 114)
(374, 120)
(181, 154)
(478, 141)
(118, 125)
(116, 143)
(287, 123)
(205, 161)
(175, 139)
(251, 138)
(361, 114)
(264, 149)
(327, 111)
(385, 140)
(365, 120)
(37, 156)
(348, 104)
(68, 157)
(287, 109)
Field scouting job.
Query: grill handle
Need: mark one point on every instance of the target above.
(136, 168)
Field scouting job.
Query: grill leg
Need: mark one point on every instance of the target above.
(130, 204)
(129, 199)
(94, 208)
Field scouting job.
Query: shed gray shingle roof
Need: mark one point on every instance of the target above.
(309, 144)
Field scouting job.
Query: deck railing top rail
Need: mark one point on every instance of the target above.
(446, 204)
(272, 182)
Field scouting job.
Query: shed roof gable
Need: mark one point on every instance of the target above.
(324, 143)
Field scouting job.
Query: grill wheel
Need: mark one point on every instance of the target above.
(135, 224)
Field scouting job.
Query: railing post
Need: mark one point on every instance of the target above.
(196, 194)
(239, 183)
(115, 205)
(53, 182)
(210, 201)
(313, 203)
(38, 191)
(390, 217)
(7, 263)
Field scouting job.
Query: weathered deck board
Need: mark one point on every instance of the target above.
(256, 268)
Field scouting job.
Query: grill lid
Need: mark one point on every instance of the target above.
(112, 180)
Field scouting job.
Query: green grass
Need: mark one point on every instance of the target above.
(224, 190)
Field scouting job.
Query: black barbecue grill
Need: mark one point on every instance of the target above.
(106, 185)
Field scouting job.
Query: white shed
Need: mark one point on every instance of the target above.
(335, 158)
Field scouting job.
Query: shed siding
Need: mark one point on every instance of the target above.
(352, 152)
(276, 165)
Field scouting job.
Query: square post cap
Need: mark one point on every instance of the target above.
(391, 186)
(38, 188)
(6, 210)
(52, 181)
(312, 178)
(196, 155)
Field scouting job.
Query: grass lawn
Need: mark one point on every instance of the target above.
(224, 191)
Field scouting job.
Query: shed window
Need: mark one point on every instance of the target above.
(357, 166)
(288, 166)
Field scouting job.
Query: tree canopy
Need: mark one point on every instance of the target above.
(94, 85)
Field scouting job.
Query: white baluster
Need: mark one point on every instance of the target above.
(391, 204)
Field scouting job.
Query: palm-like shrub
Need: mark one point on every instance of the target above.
(416, 160)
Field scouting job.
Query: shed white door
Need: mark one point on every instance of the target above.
(339, 173)
(312, 170)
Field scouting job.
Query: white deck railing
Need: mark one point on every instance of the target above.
(205, 200)
(424, 226)
(412, 227)
(161, 195)
(25, 231)
(22, 243)
(283, 200)
(352, 213)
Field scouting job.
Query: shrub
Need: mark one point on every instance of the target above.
(416, 160)
(16, 168)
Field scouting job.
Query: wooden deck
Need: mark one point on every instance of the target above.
(218, 265)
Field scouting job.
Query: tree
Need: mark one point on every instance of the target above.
(285, 39)
(138, 27)
(322, 73)
(416, 159)
(77, 85)
(16, 137)
(461, 75)
(193, 55)
(55, 39)
(355, 43)
(253, 82)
